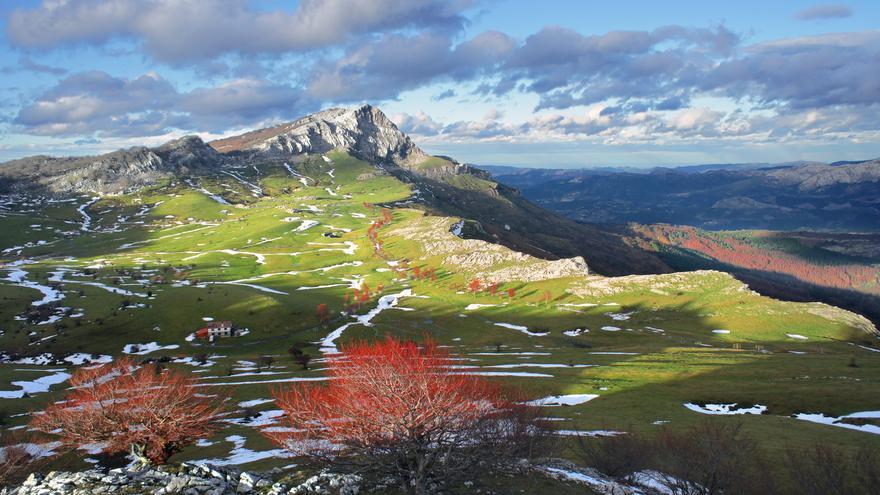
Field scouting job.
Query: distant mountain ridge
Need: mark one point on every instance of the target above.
(802, 195)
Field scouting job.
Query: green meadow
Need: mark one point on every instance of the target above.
(264, 248)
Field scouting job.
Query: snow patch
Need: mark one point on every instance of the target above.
(520, 328)
(725, 409)
(563, 400)
(141, 349)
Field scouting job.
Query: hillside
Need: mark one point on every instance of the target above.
(801, 196)
(262, 229)
(441, 185)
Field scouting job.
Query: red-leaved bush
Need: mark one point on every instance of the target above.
(397, 409)
(123, 406)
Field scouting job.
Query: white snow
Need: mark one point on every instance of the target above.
(657, 481)
(457, 227)
(108, 288)
(83, 358)
(520, 328)
(263, 418)
(574, 476)
(795, 336)
(539, 365)
(328, 343)
(725, 409)
(206, 192)
(87, 220)
(279, 380)
(147, 348)
(254, 402)
(474, 306)
(563, 400)
(575, 332)
(611, 329)
(243, 455)
(313, 287)
(838, 421)
(257, 287)
(525, 374)
(31, 387)
(620, 316)
(510, 353)
(19, 277)
(590, 433)
(250, 185)
(305, 225)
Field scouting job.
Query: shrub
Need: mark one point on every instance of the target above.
(397, 410)
(619, 456)
(710, 458)
(150, 411)
(828, 470)
(15, 463)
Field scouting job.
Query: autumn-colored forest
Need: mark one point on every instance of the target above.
(752, 252)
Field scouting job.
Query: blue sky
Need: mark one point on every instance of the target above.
(552, 83)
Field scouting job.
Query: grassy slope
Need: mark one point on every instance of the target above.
(752, 364)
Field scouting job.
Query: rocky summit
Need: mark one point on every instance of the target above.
(365, 132)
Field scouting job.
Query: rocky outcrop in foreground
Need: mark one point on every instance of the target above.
(193, 479)
(187, 479)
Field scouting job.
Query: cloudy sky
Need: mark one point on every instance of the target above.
(516, 82)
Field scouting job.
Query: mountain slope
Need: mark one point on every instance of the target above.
(445, 187)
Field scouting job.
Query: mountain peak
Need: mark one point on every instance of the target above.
(364, 131)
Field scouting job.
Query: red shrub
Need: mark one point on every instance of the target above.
(122, 406)
(397, 409)
(322, 313)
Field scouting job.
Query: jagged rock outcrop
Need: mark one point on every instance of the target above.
(198, 479)
(188, 479)
(486, 261)
(364, 132)
(111, 173)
